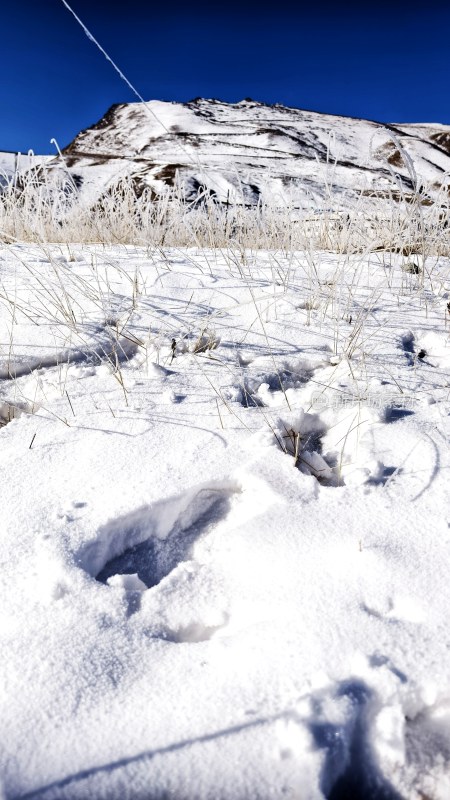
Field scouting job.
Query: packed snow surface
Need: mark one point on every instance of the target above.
(225, 525)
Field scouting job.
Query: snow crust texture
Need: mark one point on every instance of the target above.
(225, 525)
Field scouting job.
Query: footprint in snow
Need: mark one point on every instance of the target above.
(154, 558)
(153, 547)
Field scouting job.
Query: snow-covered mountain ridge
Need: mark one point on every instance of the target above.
(248, 151)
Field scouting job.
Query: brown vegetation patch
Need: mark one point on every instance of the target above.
(104, 122)
(397, 196)
(168, 173)
(442, 138)
(391, 153)
(396, 159)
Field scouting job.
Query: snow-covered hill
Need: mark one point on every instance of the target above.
(14, 163)
(246, 151)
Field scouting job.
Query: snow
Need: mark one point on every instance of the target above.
(225, 525)
(10, 163)
(253, 151)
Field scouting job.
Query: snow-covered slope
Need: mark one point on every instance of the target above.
(249, 150)
(13, 163)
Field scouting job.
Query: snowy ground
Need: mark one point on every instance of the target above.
(188, 611)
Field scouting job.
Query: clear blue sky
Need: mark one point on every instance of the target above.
(385, 60)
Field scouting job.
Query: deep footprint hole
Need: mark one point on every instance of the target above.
(394, 413)
(154, 559)
(307, 451)
(276, 382)
(11, 411)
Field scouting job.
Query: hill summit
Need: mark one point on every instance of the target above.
(248, 152)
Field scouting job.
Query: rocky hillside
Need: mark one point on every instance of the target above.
(249, 151)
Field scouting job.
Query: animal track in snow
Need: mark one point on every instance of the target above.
(429, 348)
(154, 557)
(138, 551)
(10, 410)
(409, 347)
(262, 384)
(336, 724)
(105, 345)
(24, 382)
(300, 436)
